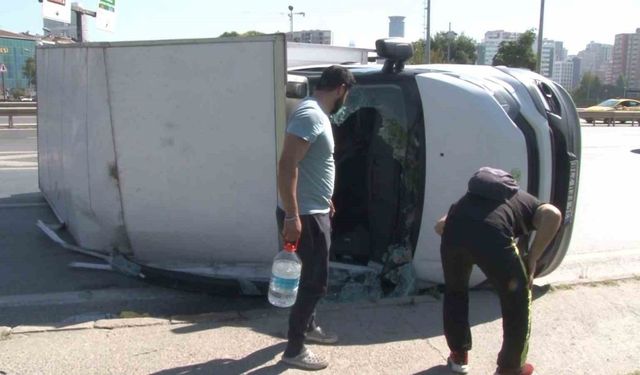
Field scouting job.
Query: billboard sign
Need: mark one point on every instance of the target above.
(106, 15)
(57, 10)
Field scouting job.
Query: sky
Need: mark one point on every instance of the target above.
(357, 22)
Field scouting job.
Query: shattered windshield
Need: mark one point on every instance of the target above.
(377, 193)
(388, 100)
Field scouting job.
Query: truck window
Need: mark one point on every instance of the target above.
(377, 174)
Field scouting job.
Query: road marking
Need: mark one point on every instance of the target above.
(15, 129)
(10, 161)
(18, 125)
(18, 169)
(19, 156)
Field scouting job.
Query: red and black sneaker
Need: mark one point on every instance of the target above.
(458, 362)
(527, 369)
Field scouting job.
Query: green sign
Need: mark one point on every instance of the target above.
(109, 5)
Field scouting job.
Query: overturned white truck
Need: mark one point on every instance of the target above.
(164, 154)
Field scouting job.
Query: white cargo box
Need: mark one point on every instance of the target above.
(152, 147)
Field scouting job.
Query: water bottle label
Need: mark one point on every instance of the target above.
(284, 283)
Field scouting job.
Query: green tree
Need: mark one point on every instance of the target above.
(518, 53)
(252, 33)
(463, 49)
(418, 53)
(29, 70)
(589, 92)
(231, 34)
(17, 93)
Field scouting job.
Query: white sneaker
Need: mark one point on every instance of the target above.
(458, 362)
(321, 337)
(306, 361)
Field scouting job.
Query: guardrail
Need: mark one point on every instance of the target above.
(17, 104)
(10, 112)
(609, 117)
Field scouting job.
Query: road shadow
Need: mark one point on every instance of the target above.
(369, 323)
(34, 198)
(226, 366)
(33, 264)
(437, 370)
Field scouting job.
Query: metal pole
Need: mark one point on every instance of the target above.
(449, 44)
(80, 37)
(4, 93)
(427, 46)
(540, 34)
(291, 21)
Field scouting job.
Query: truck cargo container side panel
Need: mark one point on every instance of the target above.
(50, 111)
(74, 145)
(194, 131)
(458, 142)
(76, 148)
(103, 172)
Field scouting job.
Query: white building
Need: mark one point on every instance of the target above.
(491, 43)
(565, 72)
(311, 36)
(548, 58)
(552, 51)
(596, 59)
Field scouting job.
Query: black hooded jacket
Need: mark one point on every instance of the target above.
(495, 200)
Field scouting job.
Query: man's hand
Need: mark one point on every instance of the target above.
(439, 227)
(546, 220)
(531, 270)
(332, 209)
(292, 229)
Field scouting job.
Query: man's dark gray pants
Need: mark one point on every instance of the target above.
(313, 250)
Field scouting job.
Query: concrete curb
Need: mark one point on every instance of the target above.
(137, 322)
(4, 332)
(18, 127)
(207, 317)
(129, 323)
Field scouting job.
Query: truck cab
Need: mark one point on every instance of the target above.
(409, 137)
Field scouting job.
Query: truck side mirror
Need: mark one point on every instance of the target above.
(297, 90)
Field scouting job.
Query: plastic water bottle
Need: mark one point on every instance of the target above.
(285, 276)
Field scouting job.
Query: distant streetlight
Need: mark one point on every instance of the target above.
(539, 57)
(291, 19)
(427, 39)
(450, 36)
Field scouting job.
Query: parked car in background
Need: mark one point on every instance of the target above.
(611, 105)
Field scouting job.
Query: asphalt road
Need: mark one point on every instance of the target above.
(18, 120)
(37, 286)
(608, 204)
